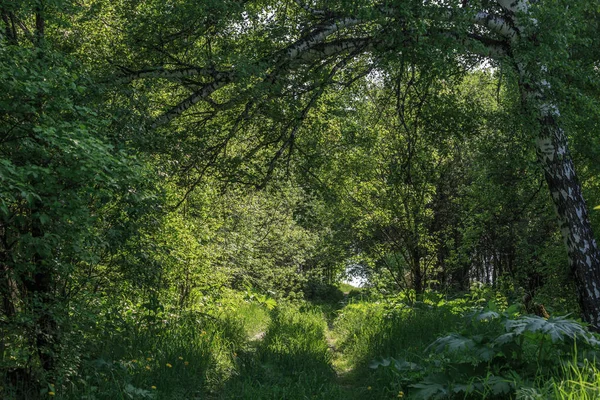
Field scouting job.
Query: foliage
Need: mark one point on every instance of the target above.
(148, 354)
(183, 185)
(494, 355)
(579, 381)
(67, 199)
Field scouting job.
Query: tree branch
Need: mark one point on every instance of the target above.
(318, 36)
(197, 96)
(514, 5)
(295, 51)
(495, 24)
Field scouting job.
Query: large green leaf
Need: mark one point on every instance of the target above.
(432, 387)
(556, 328)
(453, 343)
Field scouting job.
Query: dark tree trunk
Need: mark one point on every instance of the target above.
(418, 278)
(39, 290)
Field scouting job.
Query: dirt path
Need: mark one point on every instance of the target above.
(258, 337)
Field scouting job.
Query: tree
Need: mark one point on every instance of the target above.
(64, 199)
(386, 151)
(297, 49)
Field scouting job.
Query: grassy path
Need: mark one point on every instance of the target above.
(343, 370)
(294, 356)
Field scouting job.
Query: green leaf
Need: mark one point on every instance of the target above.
(44, 219)
(513, 309)
(432, 387)
(556, 328)
(270, 303)
(453, 343)
(383, 363)
(427, 391)
(487, 315)
(506, 338)
(498, 385)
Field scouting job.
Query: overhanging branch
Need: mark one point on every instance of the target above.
(196, 97)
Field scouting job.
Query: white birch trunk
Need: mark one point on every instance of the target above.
(559, 172)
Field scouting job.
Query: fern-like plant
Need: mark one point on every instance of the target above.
(494, 354)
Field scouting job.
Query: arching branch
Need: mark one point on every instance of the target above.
(196, 97)
(495, 24)
(319, 35)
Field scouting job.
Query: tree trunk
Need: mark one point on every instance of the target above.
(559, 172)
(39, 290)
(418, 276)
(584, 256)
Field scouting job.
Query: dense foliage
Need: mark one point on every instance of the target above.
(185, 185)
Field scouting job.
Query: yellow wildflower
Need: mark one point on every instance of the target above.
(401, 394)
(186, 362)
(149, 358)
(153, 387)
(369, 388)
(169, 365)
(51, 393)
(133, 361)
(181, 358)
(148, 367)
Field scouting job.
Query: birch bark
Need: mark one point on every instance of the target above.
(559, 172)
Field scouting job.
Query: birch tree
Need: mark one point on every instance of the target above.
(242, 59)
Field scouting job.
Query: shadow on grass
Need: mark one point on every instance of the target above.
(291, 362)
(367, 331)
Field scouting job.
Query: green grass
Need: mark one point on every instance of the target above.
(292, 361)
(293, 352)
(366, 331)
(347, 288)
(183, 358)
(579, 381)
(170, 355)
(253, 317)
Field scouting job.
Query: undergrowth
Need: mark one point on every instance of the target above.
(158, 354)
(250, 347)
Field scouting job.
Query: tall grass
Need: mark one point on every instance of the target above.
(579, 381)
(367, 330)
(160, 355)
(293, 352)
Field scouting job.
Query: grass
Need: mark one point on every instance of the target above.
(579, 381)
(293, 361)
(168, 355)
(296, 351)
(347, 288)
(184, 358)
(366, 331)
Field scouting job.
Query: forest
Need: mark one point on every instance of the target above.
(299, 199)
